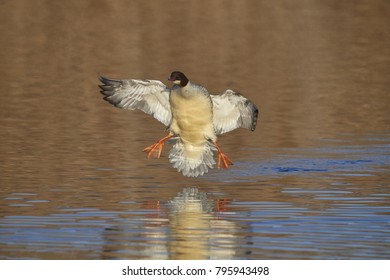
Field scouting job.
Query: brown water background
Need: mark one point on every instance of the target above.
(312, 182)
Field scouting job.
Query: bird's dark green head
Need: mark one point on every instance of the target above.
(178, 78)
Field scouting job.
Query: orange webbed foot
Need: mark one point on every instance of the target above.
(222, 203)
(223, 160)
(156, 147)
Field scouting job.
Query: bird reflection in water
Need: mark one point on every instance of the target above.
(189, 226)
(196, 230)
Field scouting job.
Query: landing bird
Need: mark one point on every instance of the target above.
(194, 118)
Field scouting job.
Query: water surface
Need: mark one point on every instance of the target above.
(312, 182)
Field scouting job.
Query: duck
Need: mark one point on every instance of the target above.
(193, 117)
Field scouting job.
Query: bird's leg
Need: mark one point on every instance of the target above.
(157, 147)
(223, 159)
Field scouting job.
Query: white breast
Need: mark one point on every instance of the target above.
(192, 115)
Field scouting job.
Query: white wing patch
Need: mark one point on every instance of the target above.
(149, 96)
(231, 110)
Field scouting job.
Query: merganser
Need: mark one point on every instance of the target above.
(193, 116)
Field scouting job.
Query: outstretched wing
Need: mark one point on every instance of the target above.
(149, 96)
(231, 110)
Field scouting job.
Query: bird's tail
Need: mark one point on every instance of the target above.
(192, 160)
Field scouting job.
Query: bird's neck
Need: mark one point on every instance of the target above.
(183, 91)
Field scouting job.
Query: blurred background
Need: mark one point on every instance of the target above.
(311, 182)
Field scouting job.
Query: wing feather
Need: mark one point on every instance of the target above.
(149, 96)
(231, 110)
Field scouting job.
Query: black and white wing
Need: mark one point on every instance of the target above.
(231, 110)
(149, 96)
